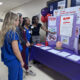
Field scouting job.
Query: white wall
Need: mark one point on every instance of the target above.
(1, 17)
(32, 8)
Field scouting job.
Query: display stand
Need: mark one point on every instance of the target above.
(68, 25)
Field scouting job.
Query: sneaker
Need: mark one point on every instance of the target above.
(29, 72)
(24, 75)
(29, 65)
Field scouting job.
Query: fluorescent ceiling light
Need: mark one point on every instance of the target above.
(1, 3)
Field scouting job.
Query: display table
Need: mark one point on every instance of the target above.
(63, 65)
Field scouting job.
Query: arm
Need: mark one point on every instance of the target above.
(45, 29)
(17, 52)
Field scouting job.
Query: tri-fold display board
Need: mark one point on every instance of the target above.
(66, 24)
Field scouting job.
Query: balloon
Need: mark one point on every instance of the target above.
(44, 11)
(43, 19)
(46, 17)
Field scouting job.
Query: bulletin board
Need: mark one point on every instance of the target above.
(68, 25)
(66, 30)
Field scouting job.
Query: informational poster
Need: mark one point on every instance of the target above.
(52, 28)
(45, 47)
(67, 11)
(64, 54)
(52, 37)
(61, 4)
(54, 51)
(56, 13)
(74, 57)
(52, 21)
(66, 25)
(65, 40)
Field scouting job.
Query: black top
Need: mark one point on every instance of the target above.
(36, 30)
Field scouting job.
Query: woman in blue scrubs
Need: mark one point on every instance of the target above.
(26, 24)
(11, 47)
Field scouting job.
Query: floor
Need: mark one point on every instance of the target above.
(42, 73)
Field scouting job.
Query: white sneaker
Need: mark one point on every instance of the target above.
(29, 72)
(29, 65)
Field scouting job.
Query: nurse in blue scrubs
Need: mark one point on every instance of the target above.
(26, 24)
(11, 47)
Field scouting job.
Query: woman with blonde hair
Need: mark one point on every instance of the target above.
(11, 47)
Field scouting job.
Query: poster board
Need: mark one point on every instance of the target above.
(67, 39)
(70, 40)
(52, 27)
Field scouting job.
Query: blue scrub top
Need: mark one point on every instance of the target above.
(28, 35)
(6, 50)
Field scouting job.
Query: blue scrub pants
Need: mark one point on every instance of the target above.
(15, 71)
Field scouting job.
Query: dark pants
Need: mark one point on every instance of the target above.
(24, 57)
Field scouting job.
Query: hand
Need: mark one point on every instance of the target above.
(22, 64)
(32, 44)
(27, 44)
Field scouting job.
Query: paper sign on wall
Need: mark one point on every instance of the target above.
(52, 37)
(52, 21)
(66, 25)
(67, 11)
(65, 40)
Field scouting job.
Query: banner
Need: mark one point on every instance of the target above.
(67, 11)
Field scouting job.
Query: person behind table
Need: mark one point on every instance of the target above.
(36, 29)
(26, 24)
(11, 47)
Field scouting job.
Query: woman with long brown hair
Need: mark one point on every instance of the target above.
(11, 47)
